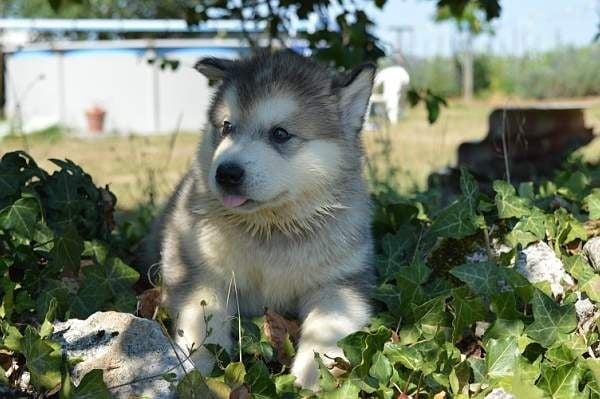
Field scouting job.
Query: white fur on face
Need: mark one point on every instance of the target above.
(270, 175)
(316, 164)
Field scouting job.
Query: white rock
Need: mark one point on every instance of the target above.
(538, 262)
(127, 349)
(477, 256)
(480, 254)
(500, 393)
(591, 249)
(481, 327)
(584, 308)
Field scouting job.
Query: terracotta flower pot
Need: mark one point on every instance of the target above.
(95, 119)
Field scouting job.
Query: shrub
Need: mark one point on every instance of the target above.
(424, 339)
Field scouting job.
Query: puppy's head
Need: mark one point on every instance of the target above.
(282, 128)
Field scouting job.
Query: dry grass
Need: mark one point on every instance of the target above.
(418, 148)
(140, 169)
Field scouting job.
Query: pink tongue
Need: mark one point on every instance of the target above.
(233, 201)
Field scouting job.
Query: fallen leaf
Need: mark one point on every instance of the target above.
(241, 392)
(148, 301)
(282, 335)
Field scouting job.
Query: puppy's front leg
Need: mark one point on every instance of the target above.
(329, 314)
(201, 317)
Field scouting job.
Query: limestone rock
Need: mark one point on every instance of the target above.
(538, 262)
(133, 353)
(500, 393)
(584, 308)
(591, 249)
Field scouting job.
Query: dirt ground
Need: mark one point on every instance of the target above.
(146, 168)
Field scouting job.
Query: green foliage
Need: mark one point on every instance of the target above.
(55, 262)
(425, 338)
(561, 72)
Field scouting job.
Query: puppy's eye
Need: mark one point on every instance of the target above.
(279, 135)
(226, 129)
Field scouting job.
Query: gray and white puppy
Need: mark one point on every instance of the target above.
(276, 200)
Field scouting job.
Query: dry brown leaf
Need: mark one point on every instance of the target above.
(278, 329)
(241, 392)
(148, 301)
(6, 359)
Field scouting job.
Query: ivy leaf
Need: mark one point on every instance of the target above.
(520, 236)
(20, 217)
(592, 202)
(381, 368)
(592, 288)
(326, 380)
(119, 276)
(529, 229)
(193, 386)
(348, 390)
(90, 297)
(360, 347)
(42, 361)
(560, 355)
(466, 312)
(15, 169)
(431, 317)
(550, 319)
(260, 382)
(456, 221)
(92, 386)
(408, 356)
(391, 296)
(578, 267)
(503, 329)
(524, 388)
(508, 203)
(482, 278)
(469, 188)
(504, 306)
(535, 223)
(502, 356)
(234, 374)
(67, 249)
(95, 250)
(561, 382)
(395, 254)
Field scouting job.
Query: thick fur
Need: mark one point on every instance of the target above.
(303, 244)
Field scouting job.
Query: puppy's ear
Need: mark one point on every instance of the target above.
(354, 90)
(214, 68)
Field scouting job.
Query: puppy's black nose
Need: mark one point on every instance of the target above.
(230, 175)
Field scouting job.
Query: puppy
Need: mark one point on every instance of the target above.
(275, 199)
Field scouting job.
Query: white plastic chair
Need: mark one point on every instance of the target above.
(388, 88)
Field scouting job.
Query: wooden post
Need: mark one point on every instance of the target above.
(2, 82)
(467, 68)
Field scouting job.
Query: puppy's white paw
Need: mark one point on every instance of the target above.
(306, 369)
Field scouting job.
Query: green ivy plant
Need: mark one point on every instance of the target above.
(56, 261)
(445, 325)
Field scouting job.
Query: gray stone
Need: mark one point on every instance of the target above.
(538, 263)
(500, 393)
(584, 308)
(133, 353)
(591, 249)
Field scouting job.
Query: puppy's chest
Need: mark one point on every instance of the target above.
(267, 274)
